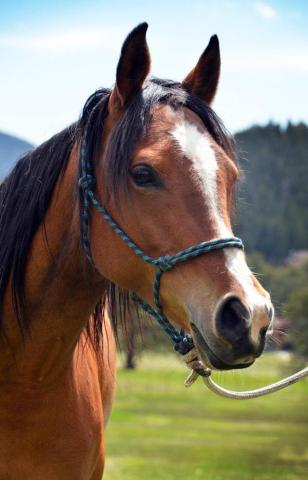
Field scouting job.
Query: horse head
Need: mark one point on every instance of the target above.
(166, 173)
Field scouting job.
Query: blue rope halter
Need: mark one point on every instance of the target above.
(182, 343)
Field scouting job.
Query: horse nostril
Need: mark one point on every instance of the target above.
(263, 332)
(233, 319)
(262, 339)
(270, 312)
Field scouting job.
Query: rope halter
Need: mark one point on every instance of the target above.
(183, 343)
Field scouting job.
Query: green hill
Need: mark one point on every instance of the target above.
(272, 206)
(11, 148)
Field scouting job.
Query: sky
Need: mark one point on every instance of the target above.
(53, 55)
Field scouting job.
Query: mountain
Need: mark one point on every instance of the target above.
(11, 148)
(272, 207)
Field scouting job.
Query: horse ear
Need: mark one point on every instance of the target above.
(202, 81)
(133, 67)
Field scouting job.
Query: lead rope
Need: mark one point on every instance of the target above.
(183, 344)
(193, 361)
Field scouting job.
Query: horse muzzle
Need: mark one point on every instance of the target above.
(230, 345)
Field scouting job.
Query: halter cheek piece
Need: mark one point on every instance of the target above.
(182, 343)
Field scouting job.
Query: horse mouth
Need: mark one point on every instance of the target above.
(209, 357)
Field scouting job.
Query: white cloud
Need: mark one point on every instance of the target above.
(266, 11)
(71, 39)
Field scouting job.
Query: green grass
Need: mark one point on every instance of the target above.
(161, 430)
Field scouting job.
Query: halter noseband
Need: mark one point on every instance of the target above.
(182, 343)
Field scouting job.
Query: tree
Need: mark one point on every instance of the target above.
(273, 197)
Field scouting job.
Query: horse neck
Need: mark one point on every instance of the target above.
(61, 291)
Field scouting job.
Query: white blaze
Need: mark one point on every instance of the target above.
(196, 146)
(236, 264)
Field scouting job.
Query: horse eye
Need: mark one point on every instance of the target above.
(145, 176)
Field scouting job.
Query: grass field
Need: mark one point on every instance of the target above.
(160, 430)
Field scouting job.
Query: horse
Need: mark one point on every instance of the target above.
(162, 168)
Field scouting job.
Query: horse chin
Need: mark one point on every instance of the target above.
(210, 358)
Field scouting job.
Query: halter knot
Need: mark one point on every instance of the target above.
(86, 182)
(165, 263)
(185, 345)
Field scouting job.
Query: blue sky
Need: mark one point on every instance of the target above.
(53, 55)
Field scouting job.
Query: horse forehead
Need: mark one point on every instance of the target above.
(165, 118)
(195, 144)
(188, 131)
(173, 133)
(199, 150)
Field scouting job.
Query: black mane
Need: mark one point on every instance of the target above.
(24, 198)
(26, 193)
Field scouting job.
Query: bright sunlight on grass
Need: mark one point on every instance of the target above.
(161, 430)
